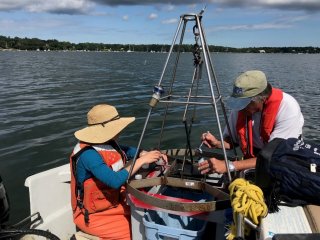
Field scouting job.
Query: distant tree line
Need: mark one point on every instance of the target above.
(35, 44)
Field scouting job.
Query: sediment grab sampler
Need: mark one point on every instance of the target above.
(180, 97)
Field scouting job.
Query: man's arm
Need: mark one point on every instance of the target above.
(214, 165)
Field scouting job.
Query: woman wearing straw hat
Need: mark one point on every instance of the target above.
(99, 173)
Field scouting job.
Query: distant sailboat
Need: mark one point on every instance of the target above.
(129, 50)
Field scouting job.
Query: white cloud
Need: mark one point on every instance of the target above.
(263, 26)
(125, 17)
(192, 6)
(84, 6)
(42, 28)
(10, 5)
(52, 6)
(61, 6)
(153, 16)
(170, 21)
(283, 23)
(170, 7)
(308, 5)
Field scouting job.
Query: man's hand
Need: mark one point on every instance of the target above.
(210, 141)
(212, 165)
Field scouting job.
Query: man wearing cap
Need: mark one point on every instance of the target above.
(259, 114)
(99, 174)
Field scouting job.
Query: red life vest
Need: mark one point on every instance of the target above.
(94, 196)
(268, 117)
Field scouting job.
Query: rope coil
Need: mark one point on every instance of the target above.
(246, 199)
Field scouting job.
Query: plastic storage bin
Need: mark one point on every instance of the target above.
(167, 226)
(161, 225)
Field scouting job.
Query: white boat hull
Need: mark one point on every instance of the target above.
(49, 194)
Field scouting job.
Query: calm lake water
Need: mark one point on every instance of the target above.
(45, 97)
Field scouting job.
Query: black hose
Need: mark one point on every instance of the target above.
(14, 233)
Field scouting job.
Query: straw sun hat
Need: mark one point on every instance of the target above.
(104, 123)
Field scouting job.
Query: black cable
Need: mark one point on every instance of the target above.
(14, 233)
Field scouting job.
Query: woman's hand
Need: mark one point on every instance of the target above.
(152, 156)
(163, 160)
(147, 158)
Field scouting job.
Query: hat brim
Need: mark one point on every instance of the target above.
(238, 103)
(103, 133)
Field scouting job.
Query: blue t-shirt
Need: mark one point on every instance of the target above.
(90, 164)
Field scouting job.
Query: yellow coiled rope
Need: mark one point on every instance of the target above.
(247, 199)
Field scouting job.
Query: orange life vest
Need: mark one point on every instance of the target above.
(268, 117)
(94, 196)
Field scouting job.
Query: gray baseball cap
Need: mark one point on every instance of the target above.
(246, 86)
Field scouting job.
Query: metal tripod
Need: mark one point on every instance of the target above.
(202, 60)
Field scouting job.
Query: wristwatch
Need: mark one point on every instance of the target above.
(231, 166)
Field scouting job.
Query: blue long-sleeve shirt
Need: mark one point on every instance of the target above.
(90, 164)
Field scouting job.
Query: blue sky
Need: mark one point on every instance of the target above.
(232, 23)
